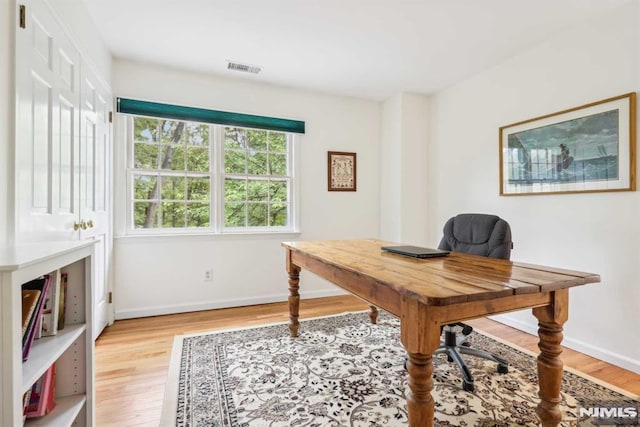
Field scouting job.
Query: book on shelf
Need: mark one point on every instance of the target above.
(49, 322)
(51, 396)
(62, 300)
(29, 303)
(25, 403)
(38, 326)
(41, 399)
(33, 285)
(42, 284)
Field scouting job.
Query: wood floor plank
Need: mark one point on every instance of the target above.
(132, 356)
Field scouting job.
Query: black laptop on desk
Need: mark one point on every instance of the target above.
(415, 251)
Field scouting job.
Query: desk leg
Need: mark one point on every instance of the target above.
(420, 335)
(420, 403)
(294, 298)
(550, 321)
(373, 314)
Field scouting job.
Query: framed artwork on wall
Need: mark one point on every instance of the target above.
(590, 148)
(341, 168)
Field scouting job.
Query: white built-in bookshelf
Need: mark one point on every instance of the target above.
(72, 348)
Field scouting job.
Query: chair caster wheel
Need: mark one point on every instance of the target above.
(467, 386)
(449, 359)
(503, 369)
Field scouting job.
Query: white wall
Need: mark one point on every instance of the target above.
(413, 171)
(390, 169)
(403, 154)
(165, 274)
(590, 232)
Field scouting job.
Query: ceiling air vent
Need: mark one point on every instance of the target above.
(246, 68)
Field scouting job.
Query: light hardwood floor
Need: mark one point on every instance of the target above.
(132, 356)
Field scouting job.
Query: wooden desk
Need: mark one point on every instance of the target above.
(427, 293)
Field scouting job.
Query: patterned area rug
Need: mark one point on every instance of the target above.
(343, 371)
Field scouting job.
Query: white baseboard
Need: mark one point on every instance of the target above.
(235, 302)
(574, 344)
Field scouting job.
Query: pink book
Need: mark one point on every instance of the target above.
(41, 401)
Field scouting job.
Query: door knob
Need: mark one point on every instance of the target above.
(90, 223)
(76, 226)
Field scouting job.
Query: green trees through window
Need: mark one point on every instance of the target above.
(174, 176)
(255, 178)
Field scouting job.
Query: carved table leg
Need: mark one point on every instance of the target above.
(420, 403)
(294, 298)
(373, 314)
(420, 335)
(550, 321)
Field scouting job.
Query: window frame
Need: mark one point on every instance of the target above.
(216, 175)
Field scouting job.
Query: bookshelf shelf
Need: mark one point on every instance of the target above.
(47, 350)
(71, 348)
(65, 412)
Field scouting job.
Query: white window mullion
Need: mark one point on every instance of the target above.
(129, 131)
(217, 189)
(129, 201)
(292, 196)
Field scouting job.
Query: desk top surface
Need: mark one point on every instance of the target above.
(439, 281)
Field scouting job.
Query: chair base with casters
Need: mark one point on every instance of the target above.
(456, 345)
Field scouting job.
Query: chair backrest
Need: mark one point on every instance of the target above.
(477, 234)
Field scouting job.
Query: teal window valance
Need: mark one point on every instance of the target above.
(179, 112)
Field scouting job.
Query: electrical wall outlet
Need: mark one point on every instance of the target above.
(208, 275)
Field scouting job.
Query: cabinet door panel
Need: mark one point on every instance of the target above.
(41, 38)
(96, 149)
(40, 142)
(64, 185)
(95, 155)
(103, 151)
(64, 181)
(47, 75)
(87, 169)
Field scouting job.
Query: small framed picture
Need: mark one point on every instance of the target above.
(342, 171)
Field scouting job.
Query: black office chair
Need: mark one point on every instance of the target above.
(478, 234)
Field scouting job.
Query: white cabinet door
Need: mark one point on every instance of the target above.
(95, 196)
(48, 95)
(95, 156)
(63, 146)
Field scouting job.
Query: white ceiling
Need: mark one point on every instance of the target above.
(364, 48)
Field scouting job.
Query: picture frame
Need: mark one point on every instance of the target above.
(590, 148)
(341, 171)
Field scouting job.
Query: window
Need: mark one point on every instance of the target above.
(256, 179)
(189, 176)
